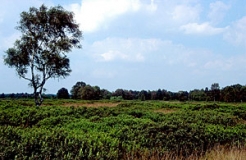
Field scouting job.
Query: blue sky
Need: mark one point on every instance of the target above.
(143, 44)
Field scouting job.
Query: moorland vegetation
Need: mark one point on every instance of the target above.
(79, 129)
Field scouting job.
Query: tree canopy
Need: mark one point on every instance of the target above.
(40, 53)
(62, 93)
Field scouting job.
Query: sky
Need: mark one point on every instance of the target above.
(142, 44)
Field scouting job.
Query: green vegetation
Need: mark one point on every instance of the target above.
(73, 129)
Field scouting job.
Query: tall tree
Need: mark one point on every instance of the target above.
(40, 53)
(215, 91)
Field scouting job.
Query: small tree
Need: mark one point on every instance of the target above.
(63, 93)
(40, 54)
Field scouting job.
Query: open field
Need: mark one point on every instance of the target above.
(71, 129)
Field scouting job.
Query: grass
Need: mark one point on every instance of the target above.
(225, 153)
(217, 153)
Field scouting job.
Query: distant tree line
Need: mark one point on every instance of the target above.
(83, 91)
(23, 95)
(233, 93)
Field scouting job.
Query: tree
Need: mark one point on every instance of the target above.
(81, 90)
(215, 86)
(2, 95)
(197, 95)
(63, 93)
(40, 53)
(88, 93)
(232, 93)
(183, 95)
(105, 94)
(215, 91)
(128, 95)
(75, 91)
(243, 93)
(119, 93)
(159, 94)
(97, 93)
(142, 95)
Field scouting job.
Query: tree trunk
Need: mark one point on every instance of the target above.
(38, 98)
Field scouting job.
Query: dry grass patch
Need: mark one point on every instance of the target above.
(243, 122)
(222, 153)
(165, 111)
(217, 153)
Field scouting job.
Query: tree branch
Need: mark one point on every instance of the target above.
(24, 77)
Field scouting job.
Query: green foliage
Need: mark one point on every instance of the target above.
(198, 95)
(63, 93)
(75, 90)
(57, 132)
(84, 91)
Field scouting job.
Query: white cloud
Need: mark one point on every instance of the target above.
(161, 53)
(112, 55)
(217, 11)
(146, 51)
(201, 29)
(236, 34)
(91, 14)
(185, 13)
(131, 49)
